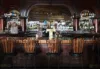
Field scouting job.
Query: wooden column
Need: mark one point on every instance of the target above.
(23, 23)
(76, 23)
(95, 21)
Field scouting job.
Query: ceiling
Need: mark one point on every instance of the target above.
(79, 4)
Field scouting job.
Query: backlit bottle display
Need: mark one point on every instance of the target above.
(86, 21)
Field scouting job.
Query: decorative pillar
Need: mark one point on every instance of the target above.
(95, 21)
(76, 23)
(23, 23)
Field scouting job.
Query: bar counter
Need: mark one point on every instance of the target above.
(76, 42)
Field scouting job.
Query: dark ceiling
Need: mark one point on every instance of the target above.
(10, 4)
(79, 4)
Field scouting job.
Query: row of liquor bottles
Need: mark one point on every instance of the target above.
(90, 25)
(84, 23)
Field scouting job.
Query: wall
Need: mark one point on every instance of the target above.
(74, 5)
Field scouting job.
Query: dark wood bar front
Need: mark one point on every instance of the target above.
(76, 44)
